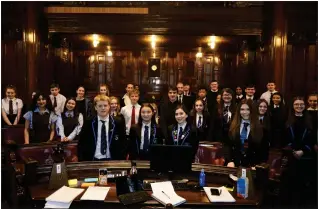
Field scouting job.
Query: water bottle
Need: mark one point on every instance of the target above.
(202, 178)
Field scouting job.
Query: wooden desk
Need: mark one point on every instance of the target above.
(215, 176)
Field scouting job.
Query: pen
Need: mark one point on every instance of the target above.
(165, 194)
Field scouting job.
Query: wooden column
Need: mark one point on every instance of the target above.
(279, 45)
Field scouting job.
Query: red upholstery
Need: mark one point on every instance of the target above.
(13, 134)
(210, 153)
(43, 153)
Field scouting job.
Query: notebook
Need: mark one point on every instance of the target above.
(164, 193)
(63, 197)
(225, 195)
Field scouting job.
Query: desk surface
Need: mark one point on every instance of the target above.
(195, 199)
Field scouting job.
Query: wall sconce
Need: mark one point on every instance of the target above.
(29, 37)
(95, 40)
(109, 52)
(212, 42)
(153, 41)
(199, 53)
(277, 41)
(154, 54)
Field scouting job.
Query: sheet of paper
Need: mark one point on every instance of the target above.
(224, 197)
(95, 193)
(64, 195)
(50, 204)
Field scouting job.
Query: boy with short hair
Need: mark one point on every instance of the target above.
(270, 90)
(57, 99)
(131, 111)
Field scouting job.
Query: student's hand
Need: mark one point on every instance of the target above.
(49, 141)
(65, 139)
(298, 154)
(253, 168)
(15, 123)
(26, 142)
(231, 165)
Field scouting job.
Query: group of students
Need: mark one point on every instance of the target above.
(246, 127)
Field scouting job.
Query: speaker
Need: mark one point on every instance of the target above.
(154, 68)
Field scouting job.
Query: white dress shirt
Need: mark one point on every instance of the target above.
(126, 112)
(239, 96)
(98, 154)
(197, 119)
(60, 100)
(142, 134)
(127, 100)
(312, 109)
(248, 127)
(267, 95)
(180, 98)
(16, 104)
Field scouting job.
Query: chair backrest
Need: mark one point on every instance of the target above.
(43, 153)
(11, 134)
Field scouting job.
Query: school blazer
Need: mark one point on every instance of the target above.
(135, 139)
(256, 152)
(88, 140)
(189, 137)
(203, 131)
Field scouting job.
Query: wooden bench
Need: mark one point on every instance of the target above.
(12, 134)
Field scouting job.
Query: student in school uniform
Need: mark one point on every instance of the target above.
(83, 104)
(211, 96)
(270, 90)
(278, 117)
(115, 110)
(69, 124)
(250, 93)
(222, 117)
(11, 107)
(126, 100)
(264, 119)
(246, 137)
(300, 162)
(40, 120)
(103, 89)
(182, 99)
(131, 111)
(143, 134)
(167, 110)
(202, 94)
(181, 132)
(102, 138)
(200, 120)
(239, 94)
(57, 99)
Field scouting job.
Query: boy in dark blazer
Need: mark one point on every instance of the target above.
(102, 138)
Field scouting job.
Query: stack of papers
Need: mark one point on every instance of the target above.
(95, 193)
(225, 195)
(62, 198)
(164, 193)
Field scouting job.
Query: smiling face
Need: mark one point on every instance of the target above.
(180, 115)
(245, 112)
(129, 88)
(227, 97)
(180, 88)
(10, 93)
(276, 99)
(299, 106)
(198, 106)
(312, 101)
(103, 90)
(172, 95)
(41, 102)
(238, 90)
(134, 98)
(55, 91)
(113, 105)
(80, 92)
(70, 105)
(250, 91)
(102, 108)
(146, 114)
(262, 108)
(271, 87)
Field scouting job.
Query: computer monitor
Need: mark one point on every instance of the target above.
(171, 158)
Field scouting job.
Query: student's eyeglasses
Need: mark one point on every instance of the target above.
(299, 105)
